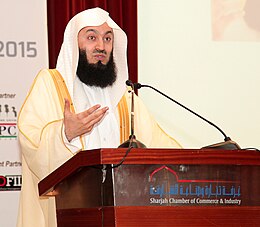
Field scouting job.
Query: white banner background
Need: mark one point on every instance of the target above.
(23, 52)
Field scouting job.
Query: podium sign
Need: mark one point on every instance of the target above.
(185, 185)
(164, 181)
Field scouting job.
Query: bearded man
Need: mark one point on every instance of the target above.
(83, 104)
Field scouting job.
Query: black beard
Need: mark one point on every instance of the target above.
(98, 74)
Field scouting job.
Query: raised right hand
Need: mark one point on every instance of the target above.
(81, 123)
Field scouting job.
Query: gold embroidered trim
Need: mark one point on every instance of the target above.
(62, 92)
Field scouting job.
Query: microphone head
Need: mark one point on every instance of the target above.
(129, 83)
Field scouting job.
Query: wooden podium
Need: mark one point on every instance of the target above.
(157, 187)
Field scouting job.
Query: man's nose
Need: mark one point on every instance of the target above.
(100, 44)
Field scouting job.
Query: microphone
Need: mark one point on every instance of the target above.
(228, 144)
(132, 141)
(130, 83)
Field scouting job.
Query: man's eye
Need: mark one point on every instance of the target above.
(108, 39)
(91, 37)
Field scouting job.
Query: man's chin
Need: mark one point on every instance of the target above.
(101, 62)
(98, 62)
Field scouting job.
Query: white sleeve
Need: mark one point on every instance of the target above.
(74, 145)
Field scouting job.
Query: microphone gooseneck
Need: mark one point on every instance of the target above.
(132, 141)
(228, 144)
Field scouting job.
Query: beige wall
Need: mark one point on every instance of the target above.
(218, 79)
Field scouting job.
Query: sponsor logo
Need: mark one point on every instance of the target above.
(192, 191)
(10, 182)
(8, 118)
(8, 130)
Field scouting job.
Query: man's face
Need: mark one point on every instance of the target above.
(97, 42)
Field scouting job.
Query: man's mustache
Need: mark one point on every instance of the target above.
(100, 52)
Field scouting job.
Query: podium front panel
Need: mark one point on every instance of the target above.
(160, 185)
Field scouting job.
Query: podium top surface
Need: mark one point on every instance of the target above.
(148, 156)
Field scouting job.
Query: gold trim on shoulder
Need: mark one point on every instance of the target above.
(62, 92)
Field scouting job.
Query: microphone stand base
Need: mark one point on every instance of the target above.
(227, 145)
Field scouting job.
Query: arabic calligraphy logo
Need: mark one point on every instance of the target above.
(187, 190)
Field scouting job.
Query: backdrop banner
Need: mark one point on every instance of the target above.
(23, 52)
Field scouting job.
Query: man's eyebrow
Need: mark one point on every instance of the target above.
(109, 32)
(91, 30)
(97, 32)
